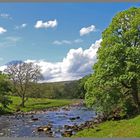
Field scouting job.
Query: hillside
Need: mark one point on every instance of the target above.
(55, 90)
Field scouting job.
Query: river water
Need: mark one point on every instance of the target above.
(24, 126)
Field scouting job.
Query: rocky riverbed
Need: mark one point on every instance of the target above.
(55, 122)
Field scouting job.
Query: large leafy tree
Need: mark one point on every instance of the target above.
(114, 86)
(22, 76)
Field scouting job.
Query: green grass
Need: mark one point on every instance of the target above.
(37, 103)
(111, 129)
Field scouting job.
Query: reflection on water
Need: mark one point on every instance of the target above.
(24, 126)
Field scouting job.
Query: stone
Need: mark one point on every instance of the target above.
(44, 128)
(35, 119)
(1, 134)
(67, 133)
(74, 118)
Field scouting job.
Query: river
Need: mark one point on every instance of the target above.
(25, 126)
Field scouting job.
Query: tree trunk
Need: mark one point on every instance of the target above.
(24, 99)
(23, 102)
(134, 92)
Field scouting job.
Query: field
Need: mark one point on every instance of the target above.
(37, 103)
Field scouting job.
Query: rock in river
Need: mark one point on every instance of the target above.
(44, 128)
(67, 133)
(35, 119)
(74, 118)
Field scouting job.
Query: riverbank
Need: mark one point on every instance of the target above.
(38, 104)
(112, 129)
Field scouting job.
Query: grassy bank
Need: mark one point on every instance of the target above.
(121, 129)
(37, 104)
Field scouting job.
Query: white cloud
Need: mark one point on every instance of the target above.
(78, 41)
(56, 42)
(67, 42)
(13, 38)
(21, 26)
(9, 41)
(5, 16)
(75, 65)
(2, 68)
(47, 24)
(2, 30)
(87, 30)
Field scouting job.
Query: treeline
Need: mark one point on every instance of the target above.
(58, 90)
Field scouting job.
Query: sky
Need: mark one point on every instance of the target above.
(62, 38)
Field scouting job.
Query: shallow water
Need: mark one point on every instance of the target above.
(24, 126)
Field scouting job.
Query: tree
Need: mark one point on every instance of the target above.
(115, 84)
(5, 88)
(81, 91)
(23, 75)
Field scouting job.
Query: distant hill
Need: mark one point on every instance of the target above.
(59, 82)
(14, 62)
(53, 90)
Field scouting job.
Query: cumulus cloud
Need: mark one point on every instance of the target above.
(87, 30)
(47, 24)
(67, 42)
(75, 65)
(21, 26)
(2, 30)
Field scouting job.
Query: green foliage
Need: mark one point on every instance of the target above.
(80, 89)
(74, 89)
(5, 88)
(114, 86)
(58, 90)
(71, 90)
(47, 90)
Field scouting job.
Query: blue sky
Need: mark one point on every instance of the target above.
(22, 41)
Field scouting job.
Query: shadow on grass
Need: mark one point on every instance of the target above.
(132, 116)
(43, 103)
(40, 105)
(5, 111)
